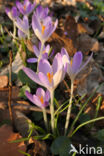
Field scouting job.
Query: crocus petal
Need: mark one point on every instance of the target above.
(50, 29)
(37, 101)
(29, 96)
(57, 78)
(45, 67)
(40, 92)
(45, 104)
(29, 9)
(36, 51)
(64, 52)
(45, 56)
(15, 12)
(47, 96)
(20, 7)
(26, 22)
(36, 23)
(21, 34)
(85, 63)
(77, 61)
(57, 63)
(32, 60)
(32, 75)
(44, 80)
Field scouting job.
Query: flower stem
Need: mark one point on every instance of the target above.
(52, 111)
(45, 118)
(14, 31)
(69, 108)
(42, 45)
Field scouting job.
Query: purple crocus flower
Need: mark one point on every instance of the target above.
(45, 52)
(74, 65)
(41, 12)
(22, 25)
(48, 76)
(41, 98)
(12, 13)
(43, 28)
(25, 8)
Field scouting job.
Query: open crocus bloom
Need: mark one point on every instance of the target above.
(74, 65)
(26, 8)
(43, 28)
(13, 13)
(41, 98)
(45, 52)
(23, 25)
(48, 76)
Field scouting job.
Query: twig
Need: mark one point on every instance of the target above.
(10, 86)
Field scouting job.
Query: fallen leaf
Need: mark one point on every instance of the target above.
(3, 81)
(6, 148)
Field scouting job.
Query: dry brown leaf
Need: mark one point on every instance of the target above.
(70, 27)
(6, 148)
(86, 43)
(5, 91)
(84, 28)
(3, 81)
(58, 41)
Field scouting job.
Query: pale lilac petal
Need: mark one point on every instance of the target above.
(81, 68)
(32, 75)
(44, 80)
(36, 23)
(47, 96)
(45, 56)
(32, 60)
(77, 61)
(45, 67)
(26, 23)
(36, 51)
(41, 12)
(29, 96)
(39, 35)
(57, 63)
(64, 52)
(20, 7)
(47, 49)
(40, 92)
(29, 9)
(57, 78)
(21, 34)
(14, 12)
(26, 3)
(45, 104)
(37, 101)
(50, 29)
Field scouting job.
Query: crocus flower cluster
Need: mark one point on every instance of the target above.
(47, 75)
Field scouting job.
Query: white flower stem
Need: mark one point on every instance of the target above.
(45, 118)
(52, 110)
(69, 108)
(42, 45)
(14, 31)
